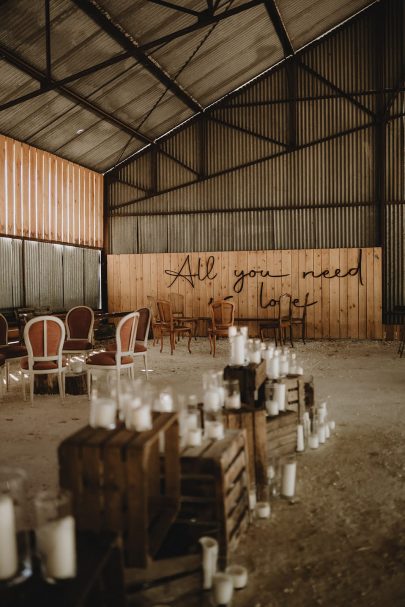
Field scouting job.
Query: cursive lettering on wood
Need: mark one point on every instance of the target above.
(337, 273)
(187, 273)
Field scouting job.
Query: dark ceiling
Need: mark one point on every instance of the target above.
(94, 82)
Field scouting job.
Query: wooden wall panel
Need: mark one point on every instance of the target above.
(344, 286)
(45, 197)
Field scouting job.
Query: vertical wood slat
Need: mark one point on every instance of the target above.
(344, 308)
(46, 197)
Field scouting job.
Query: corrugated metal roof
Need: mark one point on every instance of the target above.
(130, 96)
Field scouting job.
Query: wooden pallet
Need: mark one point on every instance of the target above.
(251, 381)
(214, 490)
(282, 434)
(299, 393)
(253, 421)
(114, 476)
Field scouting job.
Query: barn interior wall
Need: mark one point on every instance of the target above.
(309, 156)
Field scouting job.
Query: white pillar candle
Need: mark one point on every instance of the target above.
(211, 400)
(222, 588)
(321, 434)
(222, 395)
(233, 401)
(271, 473)
(313, 441)
(140, 419)
(239, 576)
(232, 331)
(103, 412)
(279, 392)
(192, 421)
(288, 479)
(209, 560)
(57, 548)
(299, 371)
(273, 367)
(215, 430)
(194, 437)
(238, 350)
(321, 415)
(255, 357)
(307, 424)
(252, 499)
(332, 425)
(300, 438)
(272, 407)
(8, 541)
(76, 366)
(263, 509)
(284, 364)
(327, 431)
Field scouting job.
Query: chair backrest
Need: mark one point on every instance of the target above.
(44, 337)
(79, 323)
(142, 332)
(304, 311)
(126, 334)
(285, 306)
(165, 312)
(3, 331)
(177, 301)
(222, 314)
(151, 300)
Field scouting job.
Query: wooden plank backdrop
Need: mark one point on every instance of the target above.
(341, 307)
(43, 196)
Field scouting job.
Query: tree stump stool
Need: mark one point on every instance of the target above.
(75, 383)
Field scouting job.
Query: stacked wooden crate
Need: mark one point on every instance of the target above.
(115, 479)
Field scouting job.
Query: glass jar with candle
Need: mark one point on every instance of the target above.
(213, 425)
(164, 401)
(55, 534)
(193, 412)
(15, 555)
(232, 394)
(103, 408)
(255, 351)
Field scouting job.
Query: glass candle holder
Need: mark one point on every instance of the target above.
(254, 347)
(193, 413)
(55, 535)
(15, 555)
(103, 412)
(288, 476)
(232, 394)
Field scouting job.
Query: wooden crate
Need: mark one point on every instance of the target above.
(299, 393)
(282, 434)
(114, 476)
(253, 421)
(214, 490)
(251, 381)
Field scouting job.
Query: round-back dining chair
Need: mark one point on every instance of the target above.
(79, 331)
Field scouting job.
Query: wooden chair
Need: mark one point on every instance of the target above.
(12, 352)
(296, 321)
(122, 357)
(222, 317)
(179, 312)
(44, 337)
(282, 321)
(155, 323)
(169, 326)
(79, 331)
(2, 365)
(141, 339)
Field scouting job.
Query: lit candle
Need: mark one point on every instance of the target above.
(215, 430)
(76, 366)
(288, 479)
(222, 588)
(263, 509)
(140, 419)
(209, 560)
(284, 364)
(272, 407)
(300, 438)
(233, 401)
(252, 499)
(239, 576)
(212, 400)
(238, 350)
(232, 331)
(321, 434)
(194, 437)
(255, 357)
(8, 541)
(313, 441)
(332, 425)
(103, 412)
(57, 548)
(192, 421)
(279, 391)
(273, 367)
(327, 431)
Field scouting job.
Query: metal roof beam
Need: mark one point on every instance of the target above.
(175, 7)
(103, 20)
(279, 26)
(48, 84)
(241, 129)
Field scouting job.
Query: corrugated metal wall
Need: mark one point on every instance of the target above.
(54, 275)
(292, 161)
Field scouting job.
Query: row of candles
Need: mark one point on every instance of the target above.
(54, 533)
(279, 361)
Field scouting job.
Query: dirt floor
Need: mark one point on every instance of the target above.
(341, 542)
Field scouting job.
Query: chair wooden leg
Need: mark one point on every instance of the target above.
(31, 376)
(61, 395)
(189, 341)
(291, 336)
(161, 341)
(214, 339)
(172, 342)
(7, 375)
(145, 362)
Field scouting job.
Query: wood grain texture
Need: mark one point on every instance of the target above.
(343, 307)
(46, 197)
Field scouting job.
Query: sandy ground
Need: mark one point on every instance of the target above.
(342, 541)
